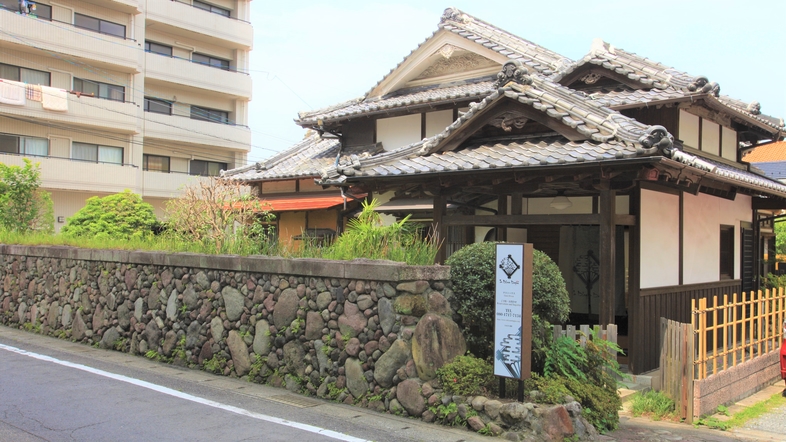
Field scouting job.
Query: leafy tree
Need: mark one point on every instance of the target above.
(120, 216)
(223, 216)
(780, 239)
(472, 278)
(25, 207)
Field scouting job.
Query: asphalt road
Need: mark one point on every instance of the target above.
(54, 390)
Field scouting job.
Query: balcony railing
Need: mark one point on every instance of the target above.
(65, 38)
(188, 21)
(182, 71)
(69, 174)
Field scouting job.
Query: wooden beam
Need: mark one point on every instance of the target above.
(589, 219)
(636, 349)
(516, 203)
(502, 208)
(769, 203)
(608, 258)
(440, 208)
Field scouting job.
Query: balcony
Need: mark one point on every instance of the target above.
(185, 72)
(186, 21)
(127, 6)
(166, 185)
(180, 129)
(68, 174)
(82, 111)
(100, 50)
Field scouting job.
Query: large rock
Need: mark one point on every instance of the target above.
(66, 319)
(412, 305)
(387, 315)
(285, 310)
(190, 298)
(385, 368)
(556, 423)
(323, 300)
(239, 352)
(365, 302)
(52, 315)
(78, 330)
(314, 325)
(171, 306)
(217, 329)
(233, 301)
(262, 338)
(153, 298)
(139, 308)
(322, 358)
(408, 394)
(294, 358)
(436, 341)
(123, 316)
(192, 334)
(352, 321)
(108, 340)
(356, 382)
(153, 334)
(202, 280)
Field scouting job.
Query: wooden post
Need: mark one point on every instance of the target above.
(636, 348)
(502, 209)
(440, 208)
(607, 247)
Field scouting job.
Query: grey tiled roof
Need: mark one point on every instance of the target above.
(401, 98)
(750, 179)
(536, 58)
(652, 74)
(621, 96)
(774, 169)
(304, 159)
(609, 135)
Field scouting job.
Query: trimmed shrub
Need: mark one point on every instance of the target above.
(466, 376)
(472, 278)
(120, 216)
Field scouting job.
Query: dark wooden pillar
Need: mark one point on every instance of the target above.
(502, 209)
(440, 209)
(607, 244)
(636, 347)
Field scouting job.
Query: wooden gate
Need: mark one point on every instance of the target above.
(676, 365)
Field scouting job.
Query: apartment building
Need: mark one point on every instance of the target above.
(107, 95)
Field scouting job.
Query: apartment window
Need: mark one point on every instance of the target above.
(206, 168)
(205, 114)
(207, 60)
(41, 10)
(99, 25)
(97, 153)
(158, 48)
(100, 90)
(24, 145)
(156, 163)
(211, 8)
(726, 252)
(158, 106)
(30, 76)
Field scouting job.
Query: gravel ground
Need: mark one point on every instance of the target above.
(774, 421)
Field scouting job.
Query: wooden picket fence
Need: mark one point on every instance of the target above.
(676, 373)
(582, 333)
(737, 328)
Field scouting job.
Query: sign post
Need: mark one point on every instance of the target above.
(513, 313)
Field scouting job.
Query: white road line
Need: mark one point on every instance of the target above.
(188, 397)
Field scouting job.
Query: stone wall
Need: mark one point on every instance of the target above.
(370, 333)
(728, 386)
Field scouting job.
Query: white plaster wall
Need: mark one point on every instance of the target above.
(398, 131)
(689, 129)
(710, 137)
(383, 198)
(704, 214)
(541, 206)
(436, 122)
(660, 241)
(729, 144)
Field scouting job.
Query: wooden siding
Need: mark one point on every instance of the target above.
(673, 303)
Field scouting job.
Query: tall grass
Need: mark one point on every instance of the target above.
(365, 237)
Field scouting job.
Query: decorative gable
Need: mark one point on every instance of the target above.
(450, 60)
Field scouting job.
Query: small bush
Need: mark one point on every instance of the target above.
(466, 376)
(121, 216)
(600, 404)
(472, 278)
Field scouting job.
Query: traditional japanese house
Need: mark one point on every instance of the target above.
(626, 172)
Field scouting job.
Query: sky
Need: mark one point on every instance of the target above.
(311, 54)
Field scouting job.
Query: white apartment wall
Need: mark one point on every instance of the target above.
(660, 239)
(704, 214)
(398, 131)
(185, 46)
(61, 145)
(189, 96)
(61, 9)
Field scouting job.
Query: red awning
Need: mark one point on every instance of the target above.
(292, 203)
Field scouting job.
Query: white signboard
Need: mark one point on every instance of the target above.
(513, 311)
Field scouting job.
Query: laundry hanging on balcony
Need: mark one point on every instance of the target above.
(33, 92)
(54, 99)
(12, 92)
